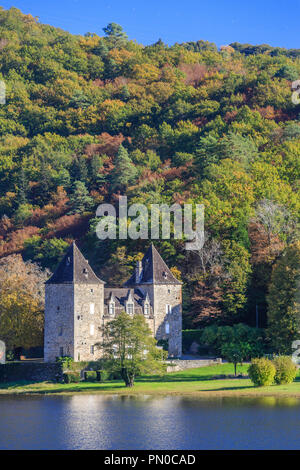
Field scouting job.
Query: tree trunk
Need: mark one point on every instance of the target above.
(235, 369)
(131, 380)
(128, 378)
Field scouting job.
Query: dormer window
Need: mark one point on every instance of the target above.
(146, 309)
(129, 308)
(164, 275)
(129, 304)
(111, 308)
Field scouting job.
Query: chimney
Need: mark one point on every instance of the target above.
(138, 272)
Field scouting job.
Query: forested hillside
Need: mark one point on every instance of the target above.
(88, 118)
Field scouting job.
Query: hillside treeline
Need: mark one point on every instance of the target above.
(89, 118)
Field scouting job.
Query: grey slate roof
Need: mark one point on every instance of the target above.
(154, 270)
(74, 269)
(120, 295)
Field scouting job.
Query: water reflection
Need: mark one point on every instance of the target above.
(148, 422)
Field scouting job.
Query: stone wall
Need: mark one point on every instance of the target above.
(85, 316)
(171, 295)
(177, 365)
(59, 321)
(32, 372)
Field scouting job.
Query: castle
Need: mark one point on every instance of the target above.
(77, 305)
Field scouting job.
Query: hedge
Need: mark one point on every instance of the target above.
(71, 377)
(102, 375)
(90, 376)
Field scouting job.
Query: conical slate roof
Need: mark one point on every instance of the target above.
(74, 269)
(154, 270)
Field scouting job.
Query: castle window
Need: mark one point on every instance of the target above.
(92, 349)
(168, 308)
(111, 308)
(146, 309)
(92, 330)
(61, 331)
(167, 328)
(92, 309)
(61, 351)
(58, 308)
(129, 309)
(92, 291)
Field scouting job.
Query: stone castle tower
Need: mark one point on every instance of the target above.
(77, 305)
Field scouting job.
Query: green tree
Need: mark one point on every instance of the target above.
(46, 252)
(119, 267)
(23, 213)
(284, 301)
(115, 34)
(217, 337)
(80, 201)
(236, 352)
(130, 349)
(79, 169)
(22, 187)
(96, 164)
(124, 171)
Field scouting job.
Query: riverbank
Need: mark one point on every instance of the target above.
(204, 381)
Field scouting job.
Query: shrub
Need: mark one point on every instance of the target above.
(262, 372)
(90, 375)
(286, 370)
(102, 375)
(65, 361)
(71, 377)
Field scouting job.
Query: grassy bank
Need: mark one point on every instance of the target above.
(202, 382)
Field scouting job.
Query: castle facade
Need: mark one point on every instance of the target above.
(78, 305)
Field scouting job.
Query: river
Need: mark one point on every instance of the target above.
(148, 422)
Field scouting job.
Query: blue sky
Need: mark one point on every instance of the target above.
(220, 21)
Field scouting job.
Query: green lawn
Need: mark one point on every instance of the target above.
(201, 381)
